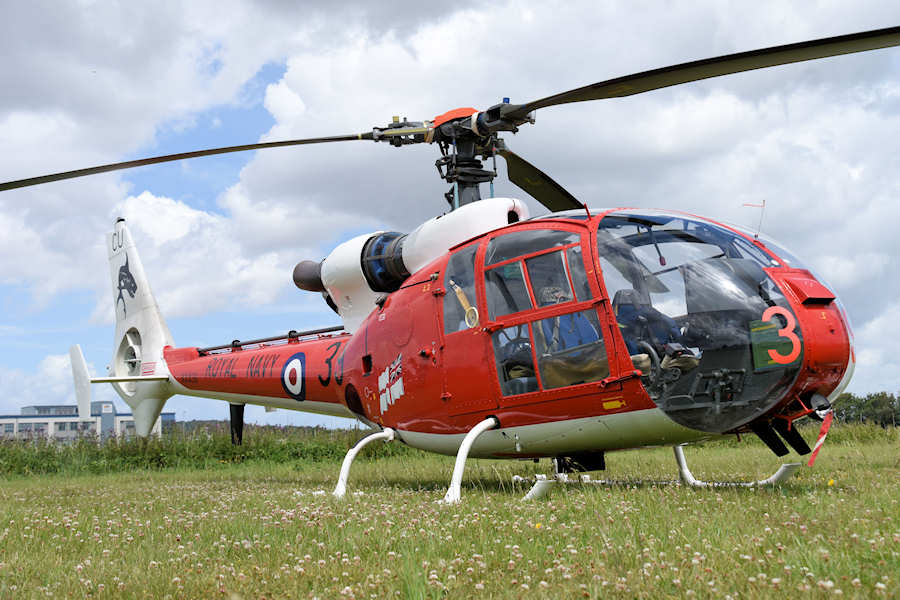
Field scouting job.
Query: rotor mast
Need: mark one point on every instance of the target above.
(465, 137)
(460, 166)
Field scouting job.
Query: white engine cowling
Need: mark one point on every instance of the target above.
(435, 236)
(343, 270)
(343, 278)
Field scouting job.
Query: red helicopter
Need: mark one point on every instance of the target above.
(484, 332)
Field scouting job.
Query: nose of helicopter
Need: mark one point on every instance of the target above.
(737, 334)
(827, 344)
(851, 355)
(826, 371)
(794, 358)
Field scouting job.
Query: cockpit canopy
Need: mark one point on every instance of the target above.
(689, 298)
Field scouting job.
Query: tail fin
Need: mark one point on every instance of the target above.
(141, 333)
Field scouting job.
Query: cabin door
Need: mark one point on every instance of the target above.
(467, 367)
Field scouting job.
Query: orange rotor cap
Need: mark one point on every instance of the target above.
(450, 115)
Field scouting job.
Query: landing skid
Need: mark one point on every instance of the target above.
(543, 484)
(783, 473)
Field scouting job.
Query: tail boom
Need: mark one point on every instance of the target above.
(304, 375)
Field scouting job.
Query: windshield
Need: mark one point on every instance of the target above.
(689, 298)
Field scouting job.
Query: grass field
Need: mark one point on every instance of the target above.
(269, 529)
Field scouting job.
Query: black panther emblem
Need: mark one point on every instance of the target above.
(126, 284)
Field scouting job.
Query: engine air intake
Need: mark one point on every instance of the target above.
(382, 261)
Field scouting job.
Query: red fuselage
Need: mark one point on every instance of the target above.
(485, 334)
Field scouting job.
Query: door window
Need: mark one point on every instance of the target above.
(515, 362)
(548, 275)
(570, 349)
(528, 241)
(460, 311)
(506, 290)
(542, 269)
(575, 261)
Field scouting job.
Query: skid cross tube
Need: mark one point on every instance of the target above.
(543, 485)
(341, 488)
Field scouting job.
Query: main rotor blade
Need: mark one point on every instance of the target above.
(538, 184)
(9, 185)
(722, 65)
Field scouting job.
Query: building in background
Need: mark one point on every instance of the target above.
(60, 422)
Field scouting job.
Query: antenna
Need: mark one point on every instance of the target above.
(762, 211)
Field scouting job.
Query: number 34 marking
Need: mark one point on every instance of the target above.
(786, 332)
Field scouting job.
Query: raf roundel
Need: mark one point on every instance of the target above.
(292, 379)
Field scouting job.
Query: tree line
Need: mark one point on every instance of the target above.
(879, 408)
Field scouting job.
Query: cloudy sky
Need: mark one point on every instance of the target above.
(88, 83)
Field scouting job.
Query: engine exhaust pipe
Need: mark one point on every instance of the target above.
(308, 276)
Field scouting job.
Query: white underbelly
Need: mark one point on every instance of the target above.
(635, 429)
(320, 408)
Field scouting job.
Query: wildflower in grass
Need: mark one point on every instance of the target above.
(826, 584)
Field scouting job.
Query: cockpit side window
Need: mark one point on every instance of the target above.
(549, 278)
(506, 290)
(542, 279)
(515, 363)
(460, 311)
(575, 261)
(540, 269)
(528, 241)
(570, 349)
